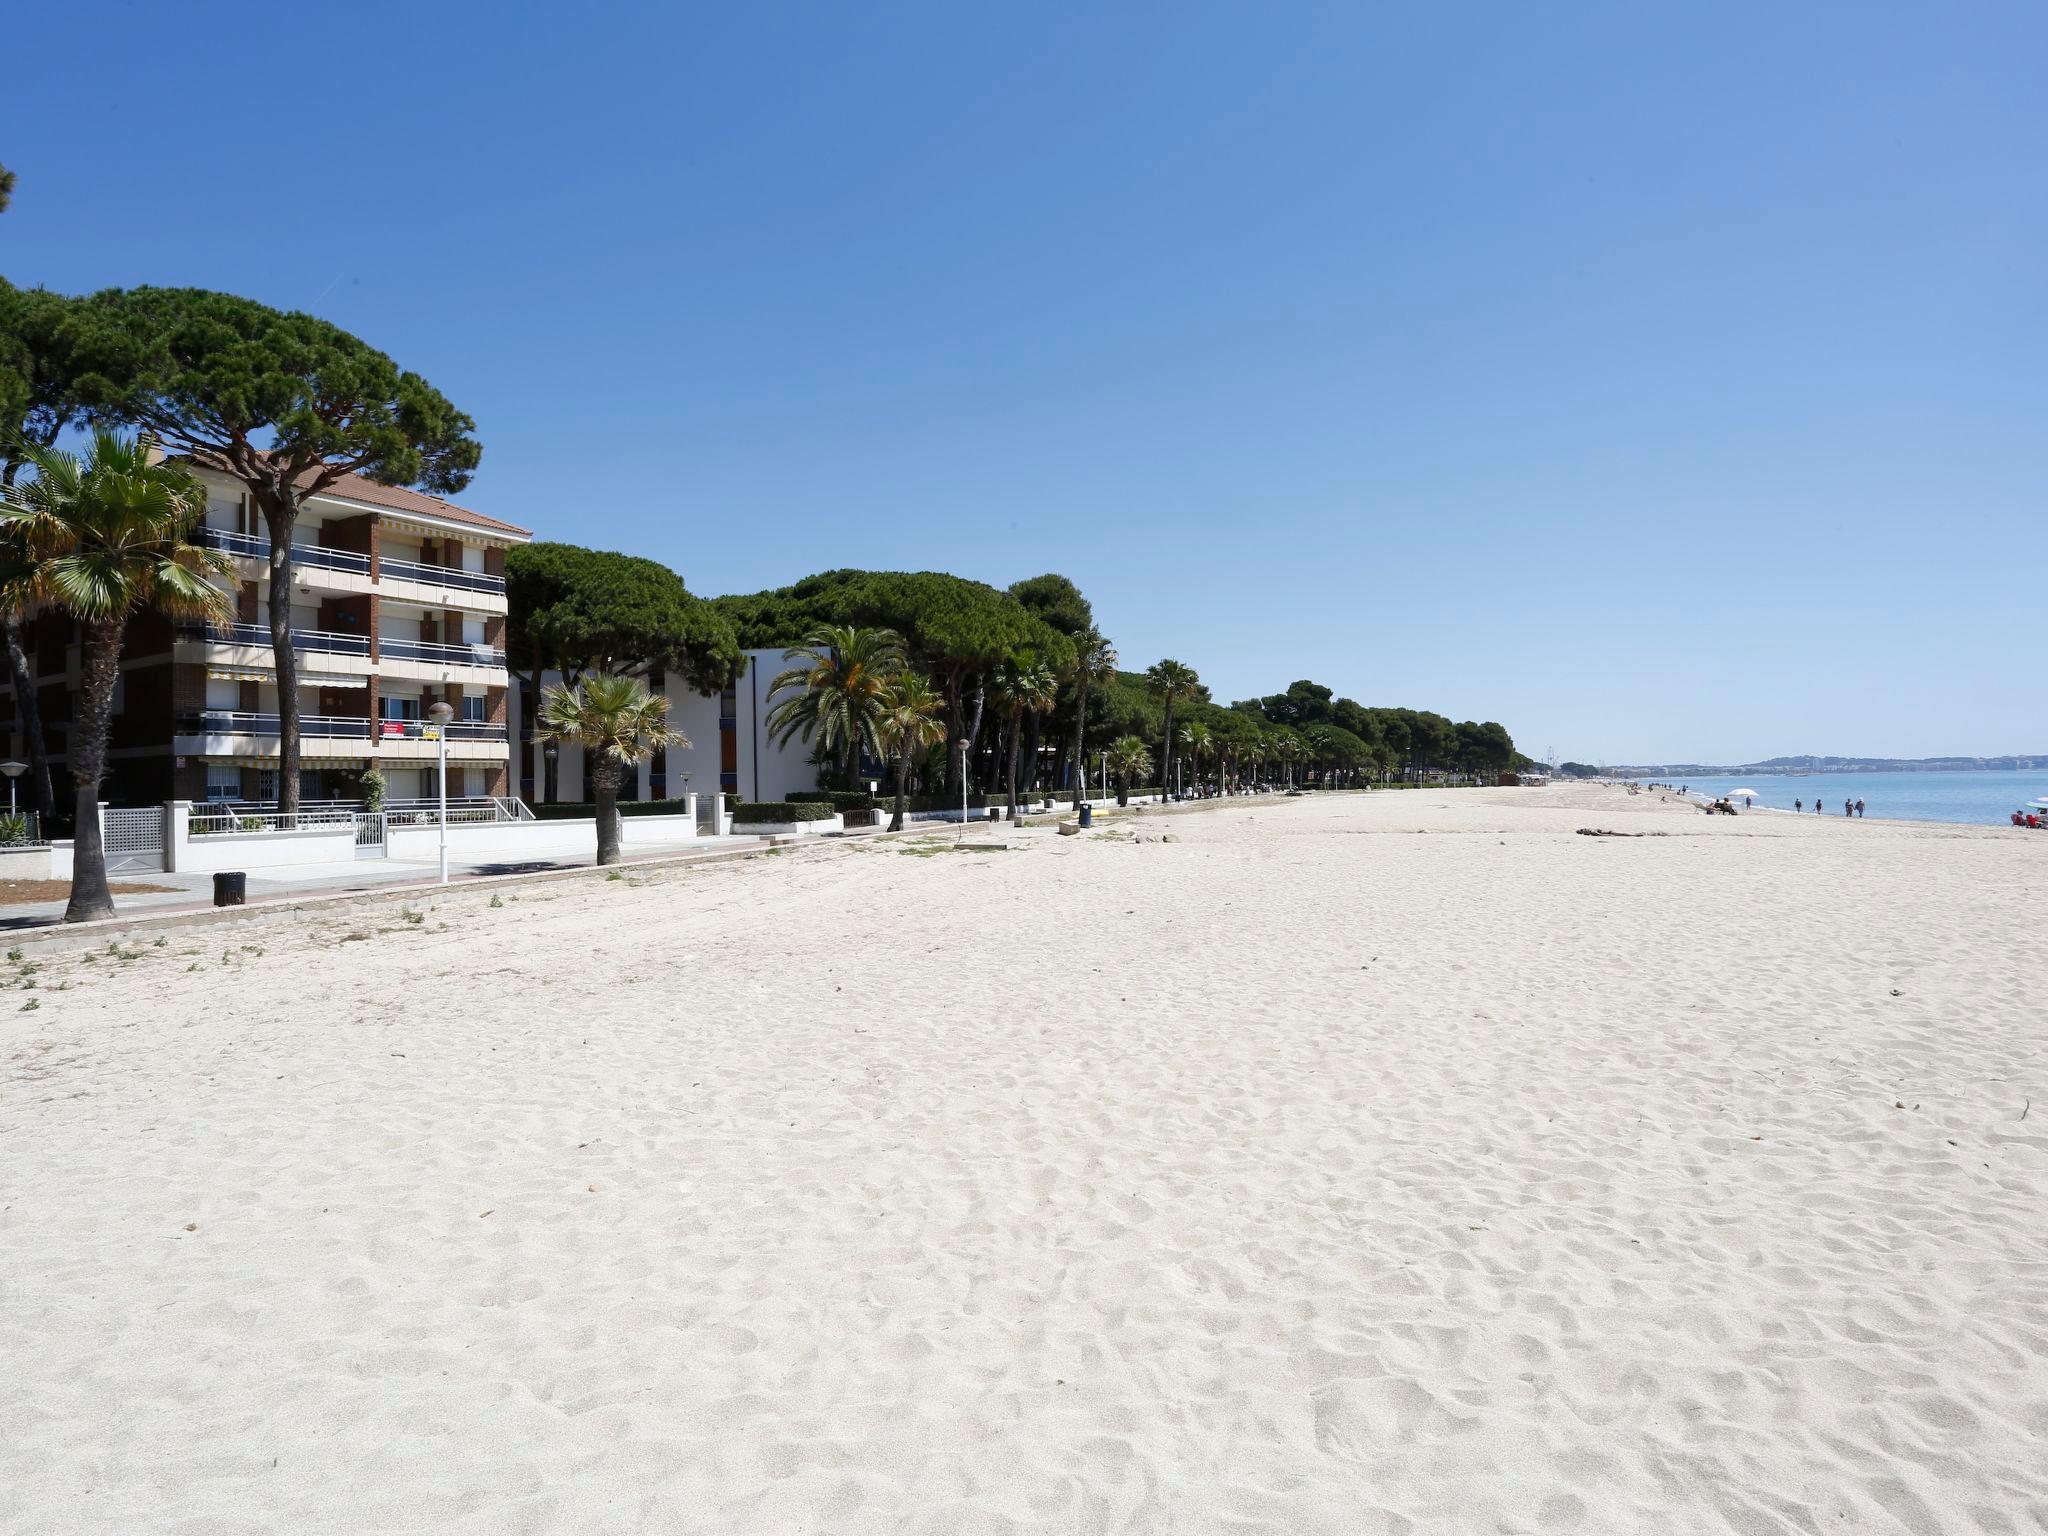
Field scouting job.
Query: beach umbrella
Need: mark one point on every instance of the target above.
(1738, 794)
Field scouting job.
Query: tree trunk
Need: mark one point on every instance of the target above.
(973, 737)
(604, 780)
(277, 521)
(1077, 751)
(1166, 757)
(1031, 752)
(100, 666)
(902, 783)
(1016, 741)
(1123, 790)
(28, 714)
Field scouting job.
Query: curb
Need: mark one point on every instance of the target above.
(59, 936)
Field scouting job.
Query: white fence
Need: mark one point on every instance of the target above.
(187, 838)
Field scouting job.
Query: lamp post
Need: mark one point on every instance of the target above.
(14, 771)
(441, 713)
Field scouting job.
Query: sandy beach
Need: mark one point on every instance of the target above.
(1367, 1163)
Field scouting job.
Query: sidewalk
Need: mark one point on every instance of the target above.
(194, 892)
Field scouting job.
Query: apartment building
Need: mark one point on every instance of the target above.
(730, 746)
(398, 602)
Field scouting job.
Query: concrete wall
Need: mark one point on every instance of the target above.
(261, 850)
(28, 864)
(534, 839)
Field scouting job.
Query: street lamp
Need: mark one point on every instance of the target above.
(13, 770)
(963, 792)
(441, 713)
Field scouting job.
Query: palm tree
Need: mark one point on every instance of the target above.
(1129, 761)
(1095, 662)
(844, 675)
(1170, 680)
(105, 539)
(1023, 684)
(908, 725)
(620, 723)
(1196, 737)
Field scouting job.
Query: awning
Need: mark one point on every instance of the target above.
(306, 760)
(306, 679)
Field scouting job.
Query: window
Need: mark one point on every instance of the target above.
(223, 783)
(390, 708)
(473, 708)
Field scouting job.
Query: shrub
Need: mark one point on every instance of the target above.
(771, 812)
(838, 799)
(578, 810)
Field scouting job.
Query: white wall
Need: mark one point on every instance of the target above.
(511, 840)
(264, 850)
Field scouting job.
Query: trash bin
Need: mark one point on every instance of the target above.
(1087, 815)
(230, 888)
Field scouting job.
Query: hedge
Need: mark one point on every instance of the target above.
(572, 811)
(838, 799)
(773, 812)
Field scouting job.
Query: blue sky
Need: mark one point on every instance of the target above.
(1662, 382)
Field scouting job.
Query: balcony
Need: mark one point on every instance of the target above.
(453, 655)
(327, 641)
(239, 722)
(249, 547)
(347, 562)
(439, 576)
(457, 730)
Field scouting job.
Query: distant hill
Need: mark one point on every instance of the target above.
(1817, 764)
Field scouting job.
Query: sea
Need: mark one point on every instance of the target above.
(1986, 798)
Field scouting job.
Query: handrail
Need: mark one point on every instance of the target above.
(242, 722)
(302, 639)
(249, 547)
(430, 650)
(458, 730)
(438, 575)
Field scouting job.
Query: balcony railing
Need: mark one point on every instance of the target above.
(302, 639)
(241, 722)
(252, 548)
(458, 730)
(428, 650)
(439, 575)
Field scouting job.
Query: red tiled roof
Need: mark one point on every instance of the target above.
(397, 498)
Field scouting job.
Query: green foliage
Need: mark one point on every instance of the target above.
(764, 813)
(39, 371)
(570, 810)
(615, 717)
(947, 624)
(596, 610)
(839, 799)
(835, 695)
(373, 789)
(1578, 770)
(285, 401)
(1058, 602)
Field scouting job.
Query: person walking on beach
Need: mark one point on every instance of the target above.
(1798, 806)
(1859, 810)
(1848, 807)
